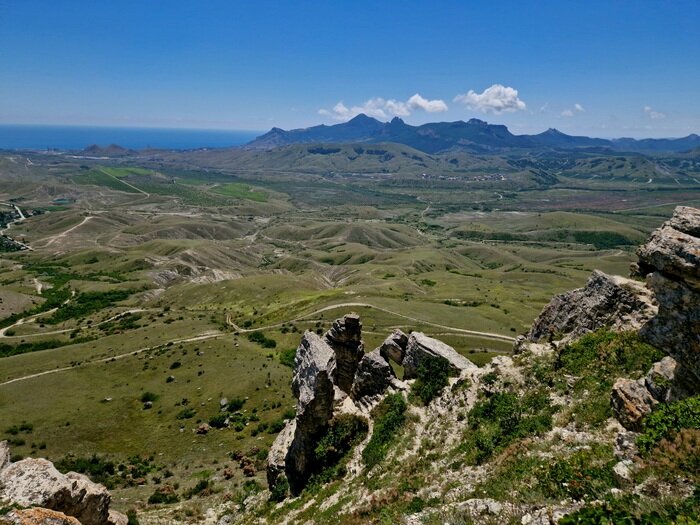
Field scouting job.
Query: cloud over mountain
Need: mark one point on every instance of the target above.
(652, 114)
(496, 99)
(381, 108)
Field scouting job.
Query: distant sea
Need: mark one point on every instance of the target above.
(14, 136)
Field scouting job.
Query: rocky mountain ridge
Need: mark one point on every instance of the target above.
(474, 135)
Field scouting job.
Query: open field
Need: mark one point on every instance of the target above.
(149, 268)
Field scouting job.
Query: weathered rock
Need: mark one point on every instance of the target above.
(394, 347)
(631, 401)
(36, 482)
(117, 518)
(37, 516)
(674, 249)
(313, 386)
(420, 348)
(277, 459)
(202, 429)
(605, 301)
(373, 377)
(4, 454)
(676, 327)
(345, 338)
(668, 381)
(623, 471)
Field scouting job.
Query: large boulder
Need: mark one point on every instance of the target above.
(277, 460)
(668, 381)
(373, 377)
(313, 386)
(345, 338)
(671, 262)
(631, 401)
(421, 348)
(36, 482)
(674, 249)
(605, 301)
(394, 347)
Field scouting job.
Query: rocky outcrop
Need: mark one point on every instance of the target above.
(668, 381)
(631, 401)
(4, 454)
(670, 260)
(313, 386)
(421, 348)
(605, 301)
(36, 482)
(394, 347)
(345, 338)
(674, 249)
(37, 516)
(373, 377)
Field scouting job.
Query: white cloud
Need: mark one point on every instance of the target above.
(568, 113)
(431, 106)
(495, 99)
(654, 115)
(383, 109)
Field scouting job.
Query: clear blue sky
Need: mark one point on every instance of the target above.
(632, 67)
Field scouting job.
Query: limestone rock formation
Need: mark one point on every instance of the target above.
(4, 454)
(117, 518)
(373, 377)
(671, 262)
(420, 347)
(37, 516)
(36, 482)
(313, 386)
(668, 381)
(631, 401)
(674, 249)
(605, 301)
(345, 338)
(394, 347)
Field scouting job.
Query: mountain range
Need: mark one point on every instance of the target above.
(474, 135)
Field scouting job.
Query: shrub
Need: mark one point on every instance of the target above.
(164, 494)
(343, 433)
(668, 419)
(186, 413)
(262, 340)
(389, 417)
(132, 517)
(204, 487)
(286, 357)
(431, 378)
(236, 404)
(218, 421)
(503, 418)
(148, 396)
(585, 474)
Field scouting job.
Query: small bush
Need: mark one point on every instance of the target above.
(164, 494)
(389, 417)
(668, 419)
(262, 340)
(218, 421)
(186, 413)
(502, 419)
(286, 357)
(148, 396)
(236, 404)
(204, 487)
(431, 378)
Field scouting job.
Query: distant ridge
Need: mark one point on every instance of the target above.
(475, 136)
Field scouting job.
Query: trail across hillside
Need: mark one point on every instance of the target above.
(487, 335)
(201, 337)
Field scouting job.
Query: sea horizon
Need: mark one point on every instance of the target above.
(78, 137)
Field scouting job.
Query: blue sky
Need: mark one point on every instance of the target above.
(600, 68)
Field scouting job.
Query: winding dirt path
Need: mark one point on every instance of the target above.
(487, 335)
